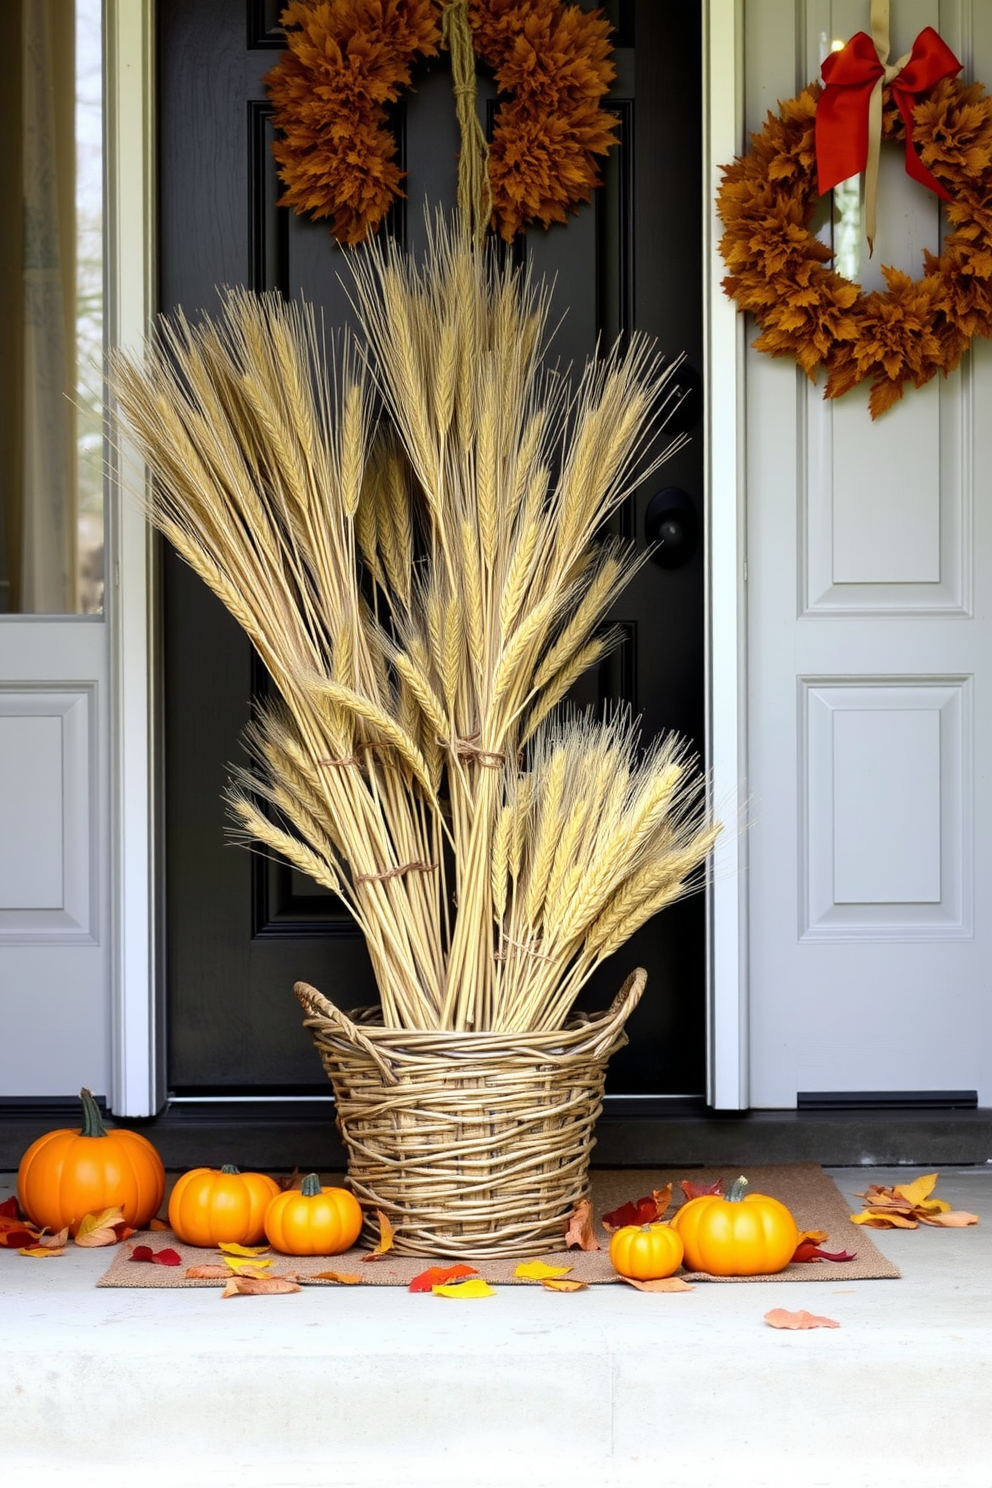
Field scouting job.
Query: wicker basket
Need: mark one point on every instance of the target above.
(474, 1144)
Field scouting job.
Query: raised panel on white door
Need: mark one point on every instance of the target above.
(30, 812)
(887, 506)
(886, 811)
(48, 824)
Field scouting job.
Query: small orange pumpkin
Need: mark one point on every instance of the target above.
(211, 1206)
(67, 1174)
(744, 1234)
(646, 1252)
(313, 1220)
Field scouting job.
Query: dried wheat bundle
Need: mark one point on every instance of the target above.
(424, 586)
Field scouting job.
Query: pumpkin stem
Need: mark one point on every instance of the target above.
(310, 1186)
(738, 1190)
(228, 1168)
(92, 1120)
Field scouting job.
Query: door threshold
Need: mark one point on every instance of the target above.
(636, 1132)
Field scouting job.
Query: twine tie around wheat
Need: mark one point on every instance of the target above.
(849, 112)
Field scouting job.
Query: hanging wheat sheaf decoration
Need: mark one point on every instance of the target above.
(411, 533)
(424, 591)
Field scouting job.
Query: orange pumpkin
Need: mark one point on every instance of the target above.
(646, 1252)
(313, 1220)
(68, 1174)
(744, 1234)
(211, 1206)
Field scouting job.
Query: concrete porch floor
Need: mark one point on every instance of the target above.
(376, 1387)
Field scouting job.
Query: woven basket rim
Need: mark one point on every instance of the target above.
(594, 1034)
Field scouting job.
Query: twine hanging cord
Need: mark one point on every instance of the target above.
(475, 202)
(880, 36)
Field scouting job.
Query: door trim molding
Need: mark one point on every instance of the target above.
(137, 1086)
(726, 577)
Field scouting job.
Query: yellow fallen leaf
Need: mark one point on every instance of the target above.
(42, 1251)
(229, 1247)
(919, 1190)
(539, 1270)
(474, 1287)
(661, 1284)
(104, 1219)
(815, 1237)
(558, 1284)
(246, 1265)
(343, 1278)
(882, 1219)
(214, 1272)
(105, 1228)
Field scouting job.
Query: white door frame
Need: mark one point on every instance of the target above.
(726, 575)
(137, 1054)
(138, 1058)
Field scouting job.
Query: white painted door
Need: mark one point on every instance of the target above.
(78, 941)
(54, 955)
(870, 664)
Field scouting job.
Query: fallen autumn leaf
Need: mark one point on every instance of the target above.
(440, 1276)
(259, 1286)
(539, 1270)
(106, 1227)
(55, 1241)
(165, 1257)
(579, 1230)
(694, 1190)
(640, 1211)
(660, 1284)
(779, 1317)
(385, 1244)
(951, 1219)
(559, 1284)
(247, 1265)
(474, 1287)
(807, 1250)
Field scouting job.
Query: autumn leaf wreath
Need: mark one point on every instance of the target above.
(779, 270)
(346, 60)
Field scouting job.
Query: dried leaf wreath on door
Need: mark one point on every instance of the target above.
(779, 271)
(345, 62)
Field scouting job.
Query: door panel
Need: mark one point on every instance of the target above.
(240, 929)
(54, 856)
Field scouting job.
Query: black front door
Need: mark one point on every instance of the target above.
(241, 929)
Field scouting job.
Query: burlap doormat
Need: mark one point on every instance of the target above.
(809, 1193)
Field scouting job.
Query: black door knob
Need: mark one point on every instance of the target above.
(672, 527)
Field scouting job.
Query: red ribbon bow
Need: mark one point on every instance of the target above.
(842, 112)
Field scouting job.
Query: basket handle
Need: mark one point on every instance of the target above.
(623, 1005)
(317, 1007)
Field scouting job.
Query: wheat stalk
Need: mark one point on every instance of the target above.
(424, 584)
